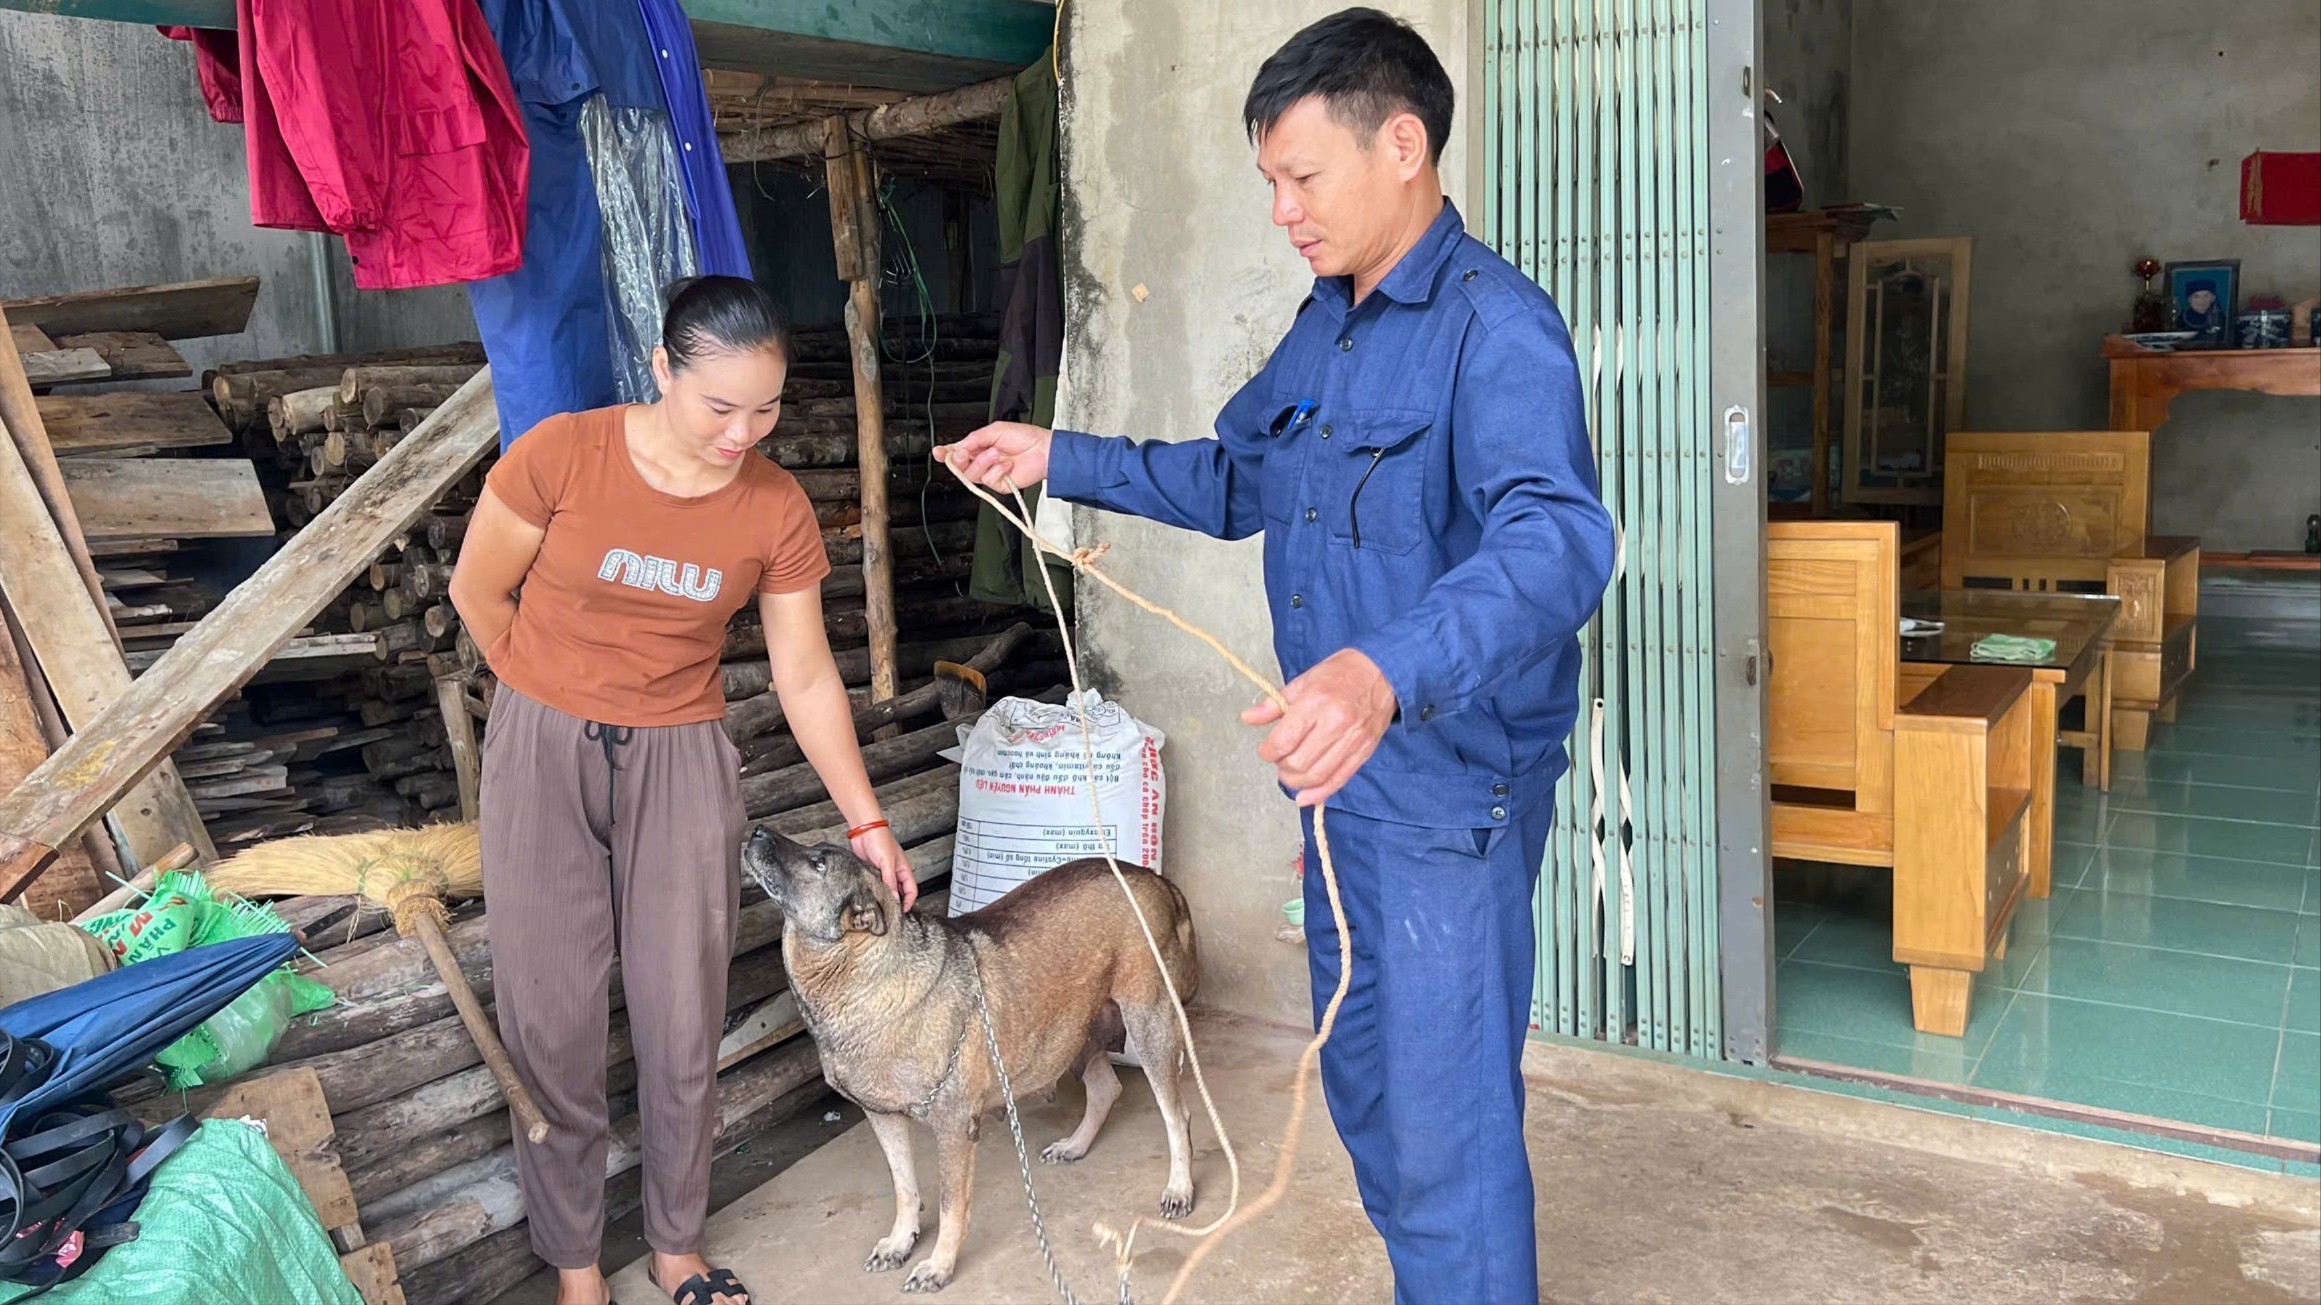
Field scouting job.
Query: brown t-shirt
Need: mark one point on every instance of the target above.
(624, 611)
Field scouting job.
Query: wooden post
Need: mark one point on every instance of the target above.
(854, 230)
(134, 735)
(459, 730)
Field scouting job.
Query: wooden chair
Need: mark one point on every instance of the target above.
(1935, 787)
(2072, 510)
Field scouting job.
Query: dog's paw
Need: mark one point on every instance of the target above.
(890, 1254)
(1175, 1204)
(1063, 1152)
(927, 1278)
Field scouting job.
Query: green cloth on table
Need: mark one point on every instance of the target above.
(2013, 648)
(224, 1220)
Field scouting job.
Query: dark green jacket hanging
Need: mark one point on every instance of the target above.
(1031, 327)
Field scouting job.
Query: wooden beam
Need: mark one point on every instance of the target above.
(133, 355)
(20, 414)
(81, 424)
(136, 733)
(167, 498)
(25, 741)
(184, 311)
(912, 117)
(65, 622)
(854, 229)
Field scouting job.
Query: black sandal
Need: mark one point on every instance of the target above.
(705, 1288)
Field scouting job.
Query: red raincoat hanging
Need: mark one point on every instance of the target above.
(389, 122)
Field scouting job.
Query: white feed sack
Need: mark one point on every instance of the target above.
(1024, 806)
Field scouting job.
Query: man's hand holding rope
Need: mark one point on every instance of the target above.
(1338, 711)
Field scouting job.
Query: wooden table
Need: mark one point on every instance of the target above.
(2145, 381)
(2080, 625)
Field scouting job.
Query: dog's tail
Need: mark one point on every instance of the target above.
(1182, 946)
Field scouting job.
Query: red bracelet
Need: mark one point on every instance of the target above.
(859, 830)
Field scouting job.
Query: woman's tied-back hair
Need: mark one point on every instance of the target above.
(711, 315)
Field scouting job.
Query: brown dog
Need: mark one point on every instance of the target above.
(891, 999)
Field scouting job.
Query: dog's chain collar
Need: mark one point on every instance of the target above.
(1023, 1158)
(950, 1067)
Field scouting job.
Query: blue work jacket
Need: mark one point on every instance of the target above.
(1421, 469)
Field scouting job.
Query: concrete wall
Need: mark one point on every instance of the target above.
(1162, 192)
(113, 174)
(2069, 141)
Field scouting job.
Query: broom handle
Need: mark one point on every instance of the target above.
(177, 858)
(487, 1040)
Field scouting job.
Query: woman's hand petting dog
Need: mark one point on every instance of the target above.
(885, 854)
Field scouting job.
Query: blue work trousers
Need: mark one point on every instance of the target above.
(1423, 1072)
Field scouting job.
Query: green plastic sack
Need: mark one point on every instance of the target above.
(163, 926)
(241, 1036)
(223, 1222)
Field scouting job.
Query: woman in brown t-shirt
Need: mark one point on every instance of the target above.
(611, 806)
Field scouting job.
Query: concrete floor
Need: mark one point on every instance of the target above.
(1657, 1184)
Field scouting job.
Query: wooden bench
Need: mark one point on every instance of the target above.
(2072, 510)
(1936, 787)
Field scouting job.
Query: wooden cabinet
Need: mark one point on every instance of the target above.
(1825, 237)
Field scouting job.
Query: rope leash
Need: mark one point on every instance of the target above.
(1083, 562)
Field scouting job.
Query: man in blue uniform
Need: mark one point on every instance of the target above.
(1416, 455)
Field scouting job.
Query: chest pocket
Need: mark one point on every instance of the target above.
(1375, 480)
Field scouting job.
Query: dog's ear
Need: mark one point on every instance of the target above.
(864, 913)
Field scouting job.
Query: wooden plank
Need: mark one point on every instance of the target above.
(356, 650)
(135, 734)
(24, 743)
(298, 1127)
(30, 339)
(133, 355)
(20, 413)
(66, 366)
(183, 311)
(167, 498)
(80, 424)
(372, 1271)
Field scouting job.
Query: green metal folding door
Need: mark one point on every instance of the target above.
(1599, 124)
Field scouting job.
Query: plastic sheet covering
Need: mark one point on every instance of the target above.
(223, 1221)
(648, 237)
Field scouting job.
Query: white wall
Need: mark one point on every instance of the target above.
(1161, 190)
(2069, 140)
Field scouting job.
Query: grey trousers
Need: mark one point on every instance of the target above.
(597, 838)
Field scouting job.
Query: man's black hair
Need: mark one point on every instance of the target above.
(1366, 66)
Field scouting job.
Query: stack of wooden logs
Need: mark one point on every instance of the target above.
(422, 1129)
(329, 433)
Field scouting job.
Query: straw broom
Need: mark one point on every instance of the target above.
(409, 872)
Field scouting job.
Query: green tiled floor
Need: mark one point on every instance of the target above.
(2176, 972)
